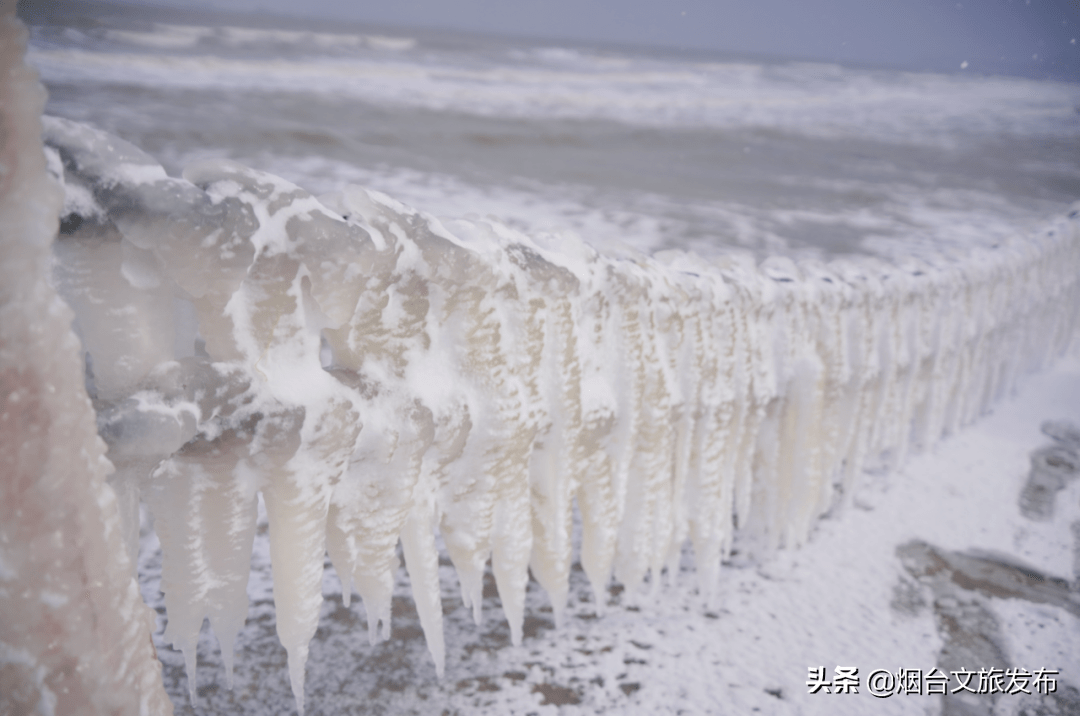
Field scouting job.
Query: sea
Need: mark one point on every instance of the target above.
(630, 148)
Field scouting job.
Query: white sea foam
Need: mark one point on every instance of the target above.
(909, 218)
(815, 100)
(165, 36)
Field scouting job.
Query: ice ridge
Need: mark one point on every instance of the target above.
(379, 375)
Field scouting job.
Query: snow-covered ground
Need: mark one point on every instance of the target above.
(981, 586)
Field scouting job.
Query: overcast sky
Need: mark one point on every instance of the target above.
(1029, 37)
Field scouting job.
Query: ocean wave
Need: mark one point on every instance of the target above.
(812, 100)
(165, 36)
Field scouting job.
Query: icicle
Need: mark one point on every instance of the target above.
(206, 517)
(591, 384)
(369, 508)
(422, 562)
(203, 498)
(704, 501)
(472, 322)
(523, 409)
(555, 471)
(648, 448)
(369, 353)
(630, 560)
(297, 496)
(278, 312)
(550, 374)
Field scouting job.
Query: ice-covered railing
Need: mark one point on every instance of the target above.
(75, 636)
(378, 375)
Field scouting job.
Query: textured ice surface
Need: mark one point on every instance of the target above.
(378, 375)
(74, 633)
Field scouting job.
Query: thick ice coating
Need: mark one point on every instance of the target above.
(74, 632)
(380, 376)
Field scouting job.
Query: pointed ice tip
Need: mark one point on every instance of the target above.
(228, 658)
(296, 677)
(372, 632)
(710, 594)
(477, 615)
(558, 612)
(599, 598)
(439, 657)
(190, 668)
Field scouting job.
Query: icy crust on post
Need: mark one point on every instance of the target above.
(75, 636)
(380, 376)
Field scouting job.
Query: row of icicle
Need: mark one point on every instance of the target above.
(380, 376)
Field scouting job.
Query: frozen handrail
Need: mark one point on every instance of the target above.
(378, 374)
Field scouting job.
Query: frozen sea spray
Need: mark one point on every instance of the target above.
(380, 375)
(75, 634)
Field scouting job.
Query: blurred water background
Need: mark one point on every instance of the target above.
(648, 148)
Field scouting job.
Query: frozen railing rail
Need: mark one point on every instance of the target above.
(378, 375)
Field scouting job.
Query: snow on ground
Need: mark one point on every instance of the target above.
(845, 599)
